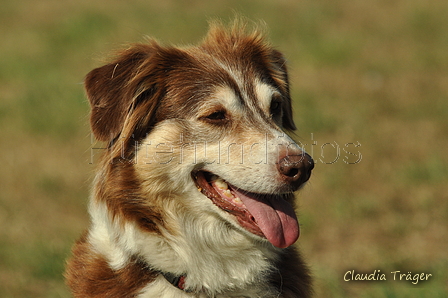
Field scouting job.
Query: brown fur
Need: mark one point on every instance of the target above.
(147, 84)
(89, 275)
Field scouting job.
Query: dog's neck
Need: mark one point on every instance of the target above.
(177, 281)
(188, 262)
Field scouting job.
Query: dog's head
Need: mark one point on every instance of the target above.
(208, 118)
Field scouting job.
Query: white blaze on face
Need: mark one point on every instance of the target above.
(253, 146)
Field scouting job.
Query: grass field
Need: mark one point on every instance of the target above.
(370, 84)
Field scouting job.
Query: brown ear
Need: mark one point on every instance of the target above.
(114, 88)
(281, 78)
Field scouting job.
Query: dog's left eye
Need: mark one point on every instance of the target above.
(276, 107)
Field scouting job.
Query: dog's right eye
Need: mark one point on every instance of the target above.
(216, 117)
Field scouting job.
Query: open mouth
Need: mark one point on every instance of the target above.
(266, 215)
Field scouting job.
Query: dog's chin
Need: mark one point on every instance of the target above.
(269, 216)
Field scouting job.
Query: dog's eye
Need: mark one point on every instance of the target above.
(216, 117)
(221, 115)
(276, 107)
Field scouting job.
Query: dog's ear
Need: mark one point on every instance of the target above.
(114, 90)
(281, 78)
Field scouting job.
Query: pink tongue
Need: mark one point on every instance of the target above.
(275, 217)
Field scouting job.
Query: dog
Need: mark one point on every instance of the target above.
(194, 194)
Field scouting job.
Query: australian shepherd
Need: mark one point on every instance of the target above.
(194, 195)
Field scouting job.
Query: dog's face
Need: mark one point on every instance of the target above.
(204, 126)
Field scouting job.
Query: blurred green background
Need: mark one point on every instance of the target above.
(369, 73)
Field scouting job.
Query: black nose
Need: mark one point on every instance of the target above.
(296, 169)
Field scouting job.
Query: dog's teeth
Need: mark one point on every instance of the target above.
(227, 193)
(237, 200)
(221, 184)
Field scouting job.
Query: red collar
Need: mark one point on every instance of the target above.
(176, 280)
